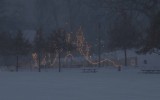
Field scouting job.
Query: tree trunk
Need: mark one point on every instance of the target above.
(17, 58)
(39, 63)
(125, 57)
(59, 59)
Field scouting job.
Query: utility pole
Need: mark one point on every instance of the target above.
(99, 46)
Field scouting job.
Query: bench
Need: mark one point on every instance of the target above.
(151, 71)
(89, 70)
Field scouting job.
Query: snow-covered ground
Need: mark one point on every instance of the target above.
(72, 84)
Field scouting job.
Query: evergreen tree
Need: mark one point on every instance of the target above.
(21, 47)
(152, 43)
(5, 46)
(5, 43)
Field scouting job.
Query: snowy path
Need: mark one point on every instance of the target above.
(74, 85)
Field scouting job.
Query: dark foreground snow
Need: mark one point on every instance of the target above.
(75, 85)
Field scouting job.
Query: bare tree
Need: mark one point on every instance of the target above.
(39, 46)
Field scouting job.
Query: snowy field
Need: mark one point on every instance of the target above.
(106, 84)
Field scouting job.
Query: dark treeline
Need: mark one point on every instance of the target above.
(118, 24)
(18, 46)
(134, 24)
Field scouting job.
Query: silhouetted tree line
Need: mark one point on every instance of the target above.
(125, 32)
(17, 45)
